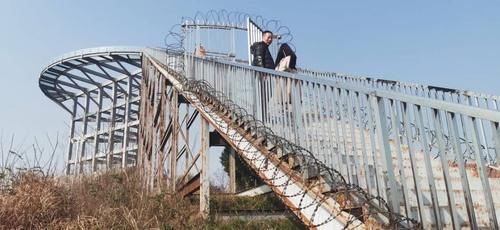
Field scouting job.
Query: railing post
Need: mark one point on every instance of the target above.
(428, 167)
(395, 122)
(373, 147)
(411, 152)
(383, 133)
(444, 165)
(483, 174)
(496, 136)
(457, 148)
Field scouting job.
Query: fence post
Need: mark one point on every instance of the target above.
(392, 193)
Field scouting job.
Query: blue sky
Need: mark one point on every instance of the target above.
(446, 43)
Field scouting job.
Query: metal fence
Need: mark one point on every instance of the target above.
(465, 97)
(430, 158)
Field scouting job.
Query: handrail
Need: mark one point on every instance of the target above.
(380, 138)
(92, 51)
(458, 96)
(418, 100)
(379, 82)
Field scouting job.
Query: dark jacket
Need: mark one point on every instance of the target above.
(261, 55)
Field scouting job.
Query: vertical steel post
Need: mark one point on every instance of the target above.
(397, 140)
(392, 195)
(373, 147)
(428, 167)
(188, 152)
(354, 148)
(338, 145)
(455, 137)
(496, 138)
(111, 134)
(496, 133)
(481, 131)
(249, 37)
(84, 133)
(70, 161)
(233, 44)
(97, 129)
(175, 131)
(232, 170)
(361, 128)
(481, 168)
(405, 107)
(204, 177)
(444, 164)
(126, 123)
(297, 110)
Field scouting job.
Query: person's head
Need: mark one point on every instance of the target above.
(267, 37)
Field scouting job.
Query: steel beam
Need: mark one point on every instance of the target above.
(70, 154)
(98, 127)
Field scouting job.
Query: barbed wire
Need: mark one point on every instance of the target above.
(416, 135)
(174, 40)
(326, 179)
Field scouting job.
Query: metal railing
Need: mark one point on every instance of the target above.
(414, 151)
(459, 96)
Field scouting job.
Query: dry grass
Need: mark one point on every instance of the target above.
(31, 197)
(109, 201)
(33, 202)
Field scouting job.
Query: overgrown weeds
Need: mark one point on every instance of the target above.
(108, 201)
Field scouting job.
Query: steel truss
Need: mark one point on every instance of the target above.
(100, 88)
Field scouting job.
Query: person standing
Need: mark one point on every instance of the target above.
(260, 51)
(263, 58)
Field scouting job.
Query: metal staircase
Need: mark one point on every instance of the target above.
(317, 194)
(378, 145)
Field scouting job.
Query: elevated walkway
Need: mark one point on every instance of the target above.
(307, 186)
(408, 149)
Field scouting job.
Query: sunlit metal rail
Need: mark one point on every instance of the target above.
(465, 97)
